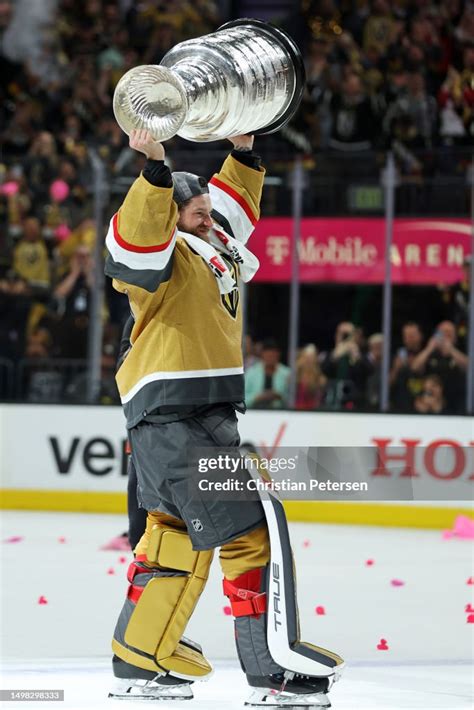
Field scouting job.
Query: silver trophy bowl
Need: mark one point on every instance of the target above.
(247, 77)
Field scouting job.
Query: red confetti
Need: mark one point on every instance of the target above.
(397, 582)
(470, 619)
(320, 610)
(61, 540)
(42, 600)
(122, 560)
(111, 570)
(369, 563)
(382, 646)
(15, 538)
(470, 580)
(469, 608)
(306, 543)
(227, 610)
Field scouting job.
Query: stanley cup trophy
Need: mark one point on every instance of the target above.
(247, 77)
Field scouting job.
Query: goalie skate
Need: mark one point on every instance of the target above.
(160, 688)
(270, 698)
(289, 690)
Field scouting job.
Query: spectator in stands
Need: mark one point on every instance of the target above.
(451, 100)
(378, 29)
(310, 381)
(347, 369)
(72, 296)
(41, 166)
(375, 351)
(441, 357)
(313, 118)
(404, 382)
(353, 121)
(456, 303)
(15, 307)
(266, 382)
(467, 86)
(16, 194)
(431, 399)
(412, 118)
(30, 257)
(40, 378)
(251, 356)
(57, 215)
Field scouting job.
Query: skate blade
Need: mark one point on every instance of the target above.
(147, 691)
(291, 701)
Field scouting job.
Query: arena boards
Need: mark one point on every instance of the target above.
(74, 460)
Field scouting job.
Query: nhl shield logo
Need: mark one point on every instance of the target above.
(197, 525)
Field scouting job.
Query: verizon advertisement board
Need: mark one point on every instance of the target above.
(352, 250)
(83, 448)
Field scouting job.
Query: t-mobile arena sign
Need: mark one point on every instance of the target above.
(352, 250)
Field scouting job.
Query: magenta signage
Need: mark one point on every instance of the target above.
(351, 250)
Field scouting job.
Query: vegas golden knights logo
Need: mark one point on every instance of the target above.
(230, 301)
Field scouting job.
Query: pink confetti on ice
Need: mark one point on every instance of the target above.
(320, 611)
(14, 538)
(369, 563)
(463, 528)
(470, 619)
(122, 560)
(227, 610)
(62, 540)
(397, 582)
(469, 608)
(111, 570)
(306, 543)
(382, 646)
(470, 580)
(42, 600)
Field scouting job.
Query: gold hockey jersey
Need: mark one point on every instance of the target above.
(186, 340)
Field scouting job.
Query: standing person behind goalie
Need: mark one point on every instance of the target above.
(177, 248)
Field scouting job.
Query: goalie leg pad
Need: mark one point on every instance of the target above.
(263, 600)
(283, 627)
(243, 562)
(248, 601)
(166, 582)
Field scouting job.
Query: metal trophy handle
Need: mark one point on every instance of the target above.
(247, 77)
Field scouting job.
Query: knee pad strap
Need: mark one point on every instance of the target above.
(245, 602)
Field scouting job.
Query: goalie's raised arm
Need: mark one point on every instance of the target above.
(142, 141)
(237, 189)
(142, 234)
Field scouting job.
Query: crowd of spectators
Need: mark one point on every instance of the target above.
(387, 74)
(427, 376)
(379, 74)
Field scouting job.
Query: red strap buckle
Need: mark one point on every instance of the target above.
(135, 569)
(250, 607)
(134, 593)
(244, 602)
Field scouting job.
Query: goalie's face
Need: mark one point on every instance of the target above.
(195, 217)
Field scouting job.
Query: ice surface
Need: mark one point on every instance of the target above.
(380, 687)
(65, 643)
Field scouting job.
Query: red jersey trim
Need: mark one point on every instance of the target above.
(235, 196)
(131, 247)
